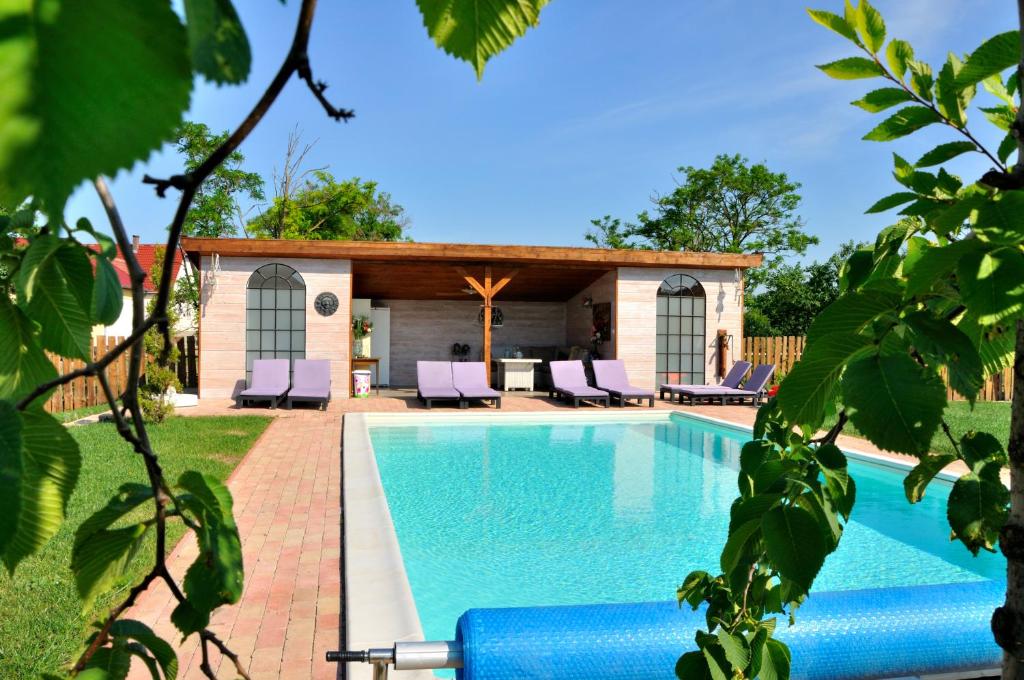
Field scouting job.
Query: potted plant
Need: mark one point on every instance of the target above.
(361, 328)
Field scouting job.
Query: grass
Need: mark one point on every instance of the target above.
(988, 416)
(41, 619)
(75, 414)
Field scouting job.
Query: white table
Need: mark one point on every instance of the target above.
(516, 374)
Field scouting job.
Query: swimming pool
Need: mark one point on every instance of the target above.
(494, 513)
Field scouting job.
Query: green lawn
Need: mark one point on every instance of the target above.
(41, 621)
(987, 416)
(75, 414)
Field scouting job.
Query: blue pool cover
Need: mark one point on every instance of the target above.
(877, 633)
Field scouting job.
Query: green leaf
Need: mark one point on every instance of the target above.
(745, 509)
(812, 382)
(753, 454)
(825, 513)
(870, 26)
(883, 98)
(977, 509)
(55, 289)
(736, 545)
(905, 121)
(836, 23)
(107, 297)
(833, 464)
(158, 647)
(50, 465)
(995, 341)
(981, 447)
(23, 364)
(108, 663)
(995, 55)
(89, 88)
(217, 41)
(737, 653)
(1007, 147)
(852, 68)
(850, 314)
(794, 543)
(1001, 220)
(891, 201)
(1002, 117)
(215, 578)
(945, 152)
(923, 473)
(947, 95)
(921, 79)
(899, 54)
(11, 472)
(994, 85)
(775, 661)
(992, 283)
(100, 555)
(476, 30)
(935, 264)
(693, 666)
(940, 340)
(896, 403)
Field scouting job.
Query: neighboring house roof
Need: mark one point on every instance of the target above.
(146, 255)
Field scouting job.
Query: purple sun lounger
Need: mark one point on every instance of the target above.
(269, 382)
(311, 381)
(731, 381)
(434, 383)
(753, 389)
(610, 376)
(569, 381)
(470, 379)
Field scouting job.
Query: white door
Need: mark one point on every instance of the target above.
(380, 317)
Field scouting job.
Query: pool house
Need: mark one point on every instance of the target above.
(671, 316)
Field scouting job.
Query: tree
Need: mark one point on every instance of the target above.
(942, 291)
(731, 207)
(789, 297)
(217, 210)
(114, 113)
(311, 204)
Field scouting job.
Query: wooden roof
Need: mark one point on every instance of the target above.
(462, 253)
(430, 271)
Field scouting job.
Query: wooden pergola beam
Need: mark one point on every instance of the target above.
(487, 290)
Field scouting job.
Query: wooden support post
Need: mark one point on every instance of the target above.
(488, 297)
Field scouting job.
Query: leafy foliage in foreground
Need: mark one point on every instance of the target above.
(943, 288)
(90, 87)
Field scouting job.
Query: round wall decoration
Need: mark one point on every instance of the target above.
(326, 304)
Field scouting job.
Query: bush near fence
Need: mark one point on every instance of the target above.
(784, 351)
(86, 391)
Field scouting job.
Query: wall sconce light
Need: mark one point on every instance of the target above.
(588, 301)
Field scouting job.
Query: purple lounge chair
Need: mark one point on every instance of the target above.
(731, 381)
(470, 379)
(311, 381)
(610, 375)
(568, 381)
(434, 383)
(269, 382)
(753, 389)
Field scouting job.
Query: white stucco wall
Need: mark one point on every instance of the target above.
(222, 321)
(635, 320)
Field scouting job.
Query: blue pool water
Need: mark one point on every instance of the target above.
(570, 513)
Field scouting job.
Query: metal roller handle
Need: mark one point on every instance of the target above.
(404, 656)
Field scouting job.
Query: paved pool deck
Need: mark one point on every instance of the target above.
(287, 493)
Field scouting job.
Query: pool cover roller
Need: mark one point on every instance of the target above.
(877, 633)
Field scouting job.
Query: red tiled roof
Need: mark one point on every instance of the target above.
(146, 255)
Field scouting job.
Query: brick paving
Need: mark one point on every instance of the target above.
(287, 494)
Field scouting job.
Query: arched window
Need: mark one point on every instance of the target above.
(275, 315)
(680, 342)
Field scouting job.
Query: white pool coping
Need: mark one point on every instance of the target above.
(380, 608)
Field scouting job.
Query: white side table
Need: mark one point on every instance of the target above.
(516, 374)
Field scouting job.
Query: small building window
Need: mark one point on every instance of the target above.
(275, 315)
(680, 340)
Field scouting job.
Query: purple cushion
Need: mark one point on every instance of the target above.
(470, 379)
(312, 374)
(582, 391)
(434, 380)
(269, 378)
(610, 375)
(309, 392)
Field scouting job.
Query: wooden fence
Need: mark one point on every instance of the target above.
(86, 391)
(784, 351)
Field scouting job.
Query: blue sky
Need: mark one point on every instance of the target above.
(587, 115)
